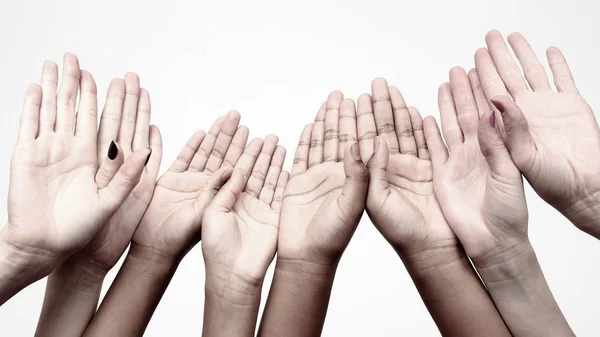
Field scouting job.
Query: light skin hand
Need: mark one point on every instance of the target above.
(53, 172)
(240, 229)
(124, 128)
(562, 170)
(322, 205)
(402, 205)
(171, 226)
(482, 197)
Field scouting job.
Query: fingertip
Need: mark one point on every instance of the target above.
(364, 98)
(272, 138)
(131, 77)
(481, 53)
(493, 34)
(379, 82)
(457, 71)
(444, 87)
(33, 90)
(87, 82)
(70, 58)
(335, 95)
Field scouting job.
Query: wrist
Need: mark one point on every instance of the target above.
(584, 213)
(81, 275)
(305, 270)
(439, 256)
(151, 260)
(513, 264)
(21, 264)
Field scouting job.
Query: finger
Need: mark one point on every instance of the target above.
(230, 192)
(532, 67)
(332, 127)
(210, 190)
(365, 125)
(315, 154)
(30, 116)
(301, 156)
(384, 116)
(110, 163)
(347, 126)
(228, 129)
(417, 127)
(261, 166)
(126, 178)
(67, 94)
(279, 190)
(492, 147)
(129, 116)
(203, 153)
(268, 189)
(142, 121)
(518, 138)
(452, 132)
(48, 109)
(435, 144)
(155, 141)
(186, 154)
(563, 79)
(402, 122)
(237, 147)
(507, 68)
(464, 102)
(491, 82)
(377, 166)
(351, 202)
(110, 120)
(249, 157)
(87, 114)
(480, 100)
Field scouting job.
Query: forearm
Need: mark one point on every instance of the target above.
(134, 295)
(231, 305)
(517, 285)
(72, 293)
(453, 293)
(298, 300)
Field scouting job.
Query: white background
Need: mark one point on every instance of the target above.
(276, 62)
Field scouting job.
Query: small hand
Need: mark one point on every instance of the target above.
(325, 197)
(400, 200)
(555, 140)
(56, 205)
(241, 225)
(479, 189)
(173, 221)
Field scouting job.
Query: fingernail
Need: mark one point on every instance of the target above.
(149, 154)
(493, 119)
(113, 151)
(375, 144)
(498, 105)
(355, 151)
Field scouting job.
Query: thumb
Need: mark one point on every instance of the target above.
(518, 138)
(377, 166)
(493, 148)
(110, 164)
(227, 196)
(354, 191)
(210, 189)
(126, 178)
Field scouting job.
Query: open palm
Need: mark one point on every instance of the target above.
(325, 196)
(563, 172)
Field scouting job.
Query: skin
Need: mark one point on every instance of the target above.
(54, 171)
(562, 170)
(402, 205)
(73, 289)
(170, 227)
(480, 192)
(240, 229)
(322, 205)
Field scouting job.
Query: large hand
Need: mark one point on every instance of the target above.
(56, 204)
(240, 226)
(173, 221)
(124, 128)
(400, 200)
(325, 197)
(481, 196)
(562, 170)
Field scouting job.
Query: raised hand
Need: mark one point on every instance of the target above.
(562, 170)
(400, 200)
(483, 200)
(56, 204)
(239, 241)
(173, 221)
(325, 197)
